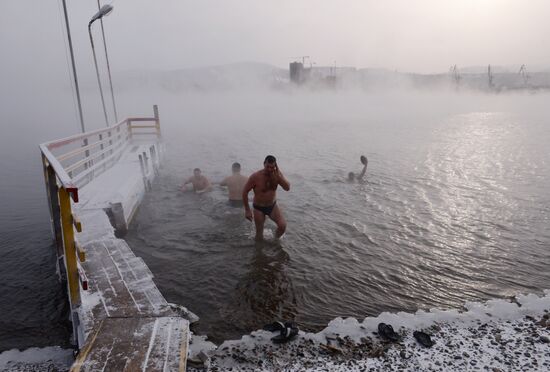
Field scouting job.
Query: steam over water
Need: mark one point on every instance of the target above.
(455, 207)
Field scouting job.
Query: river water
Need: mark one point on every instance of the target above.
(455, 207)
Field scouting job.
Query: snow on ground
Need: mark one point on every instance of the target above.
(495, 336)
(122, 183)
(35, 359)
(95, 226)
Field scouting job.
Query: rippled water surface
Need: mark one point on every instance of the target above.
(455, 207)
(33, 309)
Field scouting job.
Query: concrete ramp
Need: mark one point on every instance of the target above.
(126, 322)
(120, 284)
(135, 344)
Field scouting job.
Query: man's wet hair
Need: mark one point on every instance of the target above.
(270, 159)
(236, 166)
(196, 170)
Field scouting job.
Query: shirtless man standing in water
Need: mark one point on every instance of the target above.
(264, 183)
(235, 184)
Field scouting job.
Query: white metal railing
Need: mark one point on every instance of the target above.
(80, 158)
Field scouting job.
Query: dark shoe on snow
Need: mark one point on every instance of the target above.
(387, 333)
(423, 338)
(274, 327)
(288, 333)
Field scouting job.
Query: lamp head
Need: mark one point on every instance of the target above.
(103, 11)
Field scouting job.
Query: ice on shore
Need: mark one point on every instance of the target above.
(506, 335)
(51, 358)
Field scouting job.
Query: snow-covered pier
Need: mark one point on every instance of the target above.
(95, 182)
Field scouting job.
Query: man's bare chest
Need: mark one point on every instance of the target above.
(265, 185)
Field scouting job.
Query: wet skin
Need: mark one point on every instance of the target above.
(264, 183)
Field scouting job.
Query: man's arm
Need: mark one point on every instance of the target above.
(282, 180)
(185, 183)
(249, 185)
(363, 171)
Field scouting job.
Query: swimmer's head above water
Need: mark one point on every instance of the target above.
(236, 167)
(196, 172)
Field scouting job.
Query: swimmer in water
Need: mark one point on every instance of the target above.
(200, 183)
(264, 183)
(359, 177)
(235, 184)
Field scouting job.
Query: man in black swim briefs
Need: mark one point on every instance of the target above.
(264, 183)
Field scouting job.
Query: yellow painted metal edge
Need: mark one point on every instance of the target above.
(76, 222)
(68, 245)
(183, 351)
(80, 251)
(84, 352)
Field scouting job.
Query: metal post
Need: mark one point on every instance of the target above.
(55, 218)
(86, 153)
(154, 159)
(89, 163)
(157, 120)
(108, 66)
(101, 146)
(143, 171)
(97, 73)
(53, 201)
(110, 142)
(148, 185)
(74, 67)
(69, 246)
(146, 161)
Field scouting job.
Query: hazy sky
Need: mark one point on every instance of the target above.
(404, 35)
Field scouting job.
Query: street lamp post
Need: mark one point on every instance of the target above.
(105, 9)
(74, 68)
(108, 65)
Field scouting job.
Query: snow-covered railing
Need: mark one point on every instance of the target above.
(80, 158)
(71, 163)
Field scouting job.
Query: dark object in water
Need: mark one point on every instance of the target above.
(423, 338)
(363, 159)
(288, 333)
(274, 327)
(387, 333)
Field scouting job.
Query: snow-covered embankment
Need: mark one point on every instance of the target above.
(498, 335)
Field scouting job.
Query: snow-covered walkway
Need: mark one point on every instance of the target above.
(125, 321)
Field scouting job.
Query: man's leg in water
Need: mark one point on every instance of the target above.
(277, 217)
(259, 220)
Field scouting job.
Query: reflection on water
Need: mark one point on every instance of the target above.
(265, 291)
(453, 209)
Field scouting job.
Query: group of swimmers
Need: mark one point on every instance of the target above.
(264, 183)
